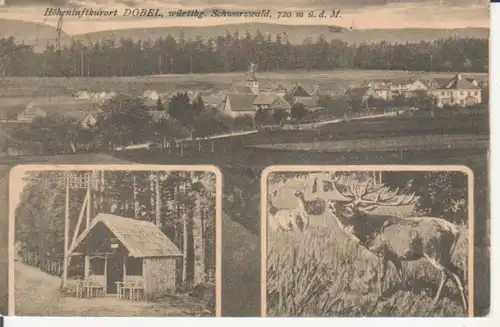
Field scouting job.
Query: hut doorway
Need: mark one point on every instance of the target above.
(114, 273)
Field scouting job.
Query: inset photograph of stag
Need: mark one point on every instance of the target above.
(114, 240)
(379, 241)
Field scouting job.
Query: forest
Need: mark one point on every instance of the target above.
(233, 53)
(182, 204)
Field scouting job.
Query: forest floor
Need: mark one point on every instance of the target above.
(37, 294)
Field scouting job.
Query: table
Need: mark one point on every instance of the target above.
(82, 288)
(131, 287)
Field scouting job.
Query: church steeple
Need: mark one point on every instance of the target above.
(251, 80)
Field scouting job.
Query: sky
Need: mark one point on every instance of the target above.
(363, 13)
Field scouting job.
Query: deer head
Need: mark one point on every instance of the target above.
(353, 196)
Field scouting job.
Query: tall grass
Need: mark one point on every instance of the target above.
(322, 273)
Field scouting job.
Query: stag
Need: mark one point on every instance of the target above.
(395, 239)
(288, 219)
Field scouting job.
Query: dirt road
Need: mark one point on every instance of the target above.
(37, 293)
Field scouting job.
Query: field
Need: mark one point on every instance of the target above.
(321, 272)
(327, 80)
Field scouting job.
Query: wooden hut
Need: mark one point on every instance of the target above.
(125, 250)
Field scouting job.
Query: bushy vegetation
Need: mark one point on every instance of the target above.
(322, 273)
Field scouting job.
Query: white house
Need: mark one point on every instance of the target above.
(87, 119)
(416, 88)
(30, 113)
(271, 101)
(457, 91)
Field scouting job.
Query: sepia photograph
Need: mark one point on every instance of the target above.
(367, 241)
(109, 241)
(243, 86)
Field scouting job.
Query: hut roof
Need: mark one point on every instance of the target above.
(241, 89)
(241, 102)
(141, 238)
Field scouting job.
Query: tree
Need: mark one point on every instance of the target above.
(124, 119)
(211, 123)
(198, 106)
(298, 111)
(263, 117)
(442, 194)
(279, 115)
(399, 100)
(159, 105)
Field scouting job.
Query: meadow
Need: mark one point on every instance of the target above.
(136, 85)
(321, 272)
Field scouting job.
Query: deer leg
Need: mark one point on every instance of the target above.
(400, 272)
(444, 279)
(298, 222)
(383, 270)
(306, 221)
(456, 274)
(445, 272)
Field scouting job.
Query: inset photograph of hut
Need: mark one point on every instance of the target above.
(367, 241)
(115, 241)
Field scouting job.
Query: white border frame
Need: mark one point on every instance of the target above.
(19, 170)
(387, 168)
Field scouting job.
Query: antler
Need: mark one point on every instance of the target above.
(333, 184)
(358, 192)
(405, 199)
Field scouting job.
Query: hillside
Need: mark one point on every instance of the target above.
(40, 34)
(36, 34)
(296, 34)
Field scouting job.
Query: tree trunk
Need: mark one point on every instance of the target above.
(152, 185)
(136, 203)
(184, 228)
(158, 221)
(199, 259)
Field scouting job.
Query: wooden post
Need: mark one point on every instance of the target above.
(105, 273)
(87, 221)
(124, 268)
(182, 151)
(212, 146)
(66, 233)
(101, 200)
(157, 205)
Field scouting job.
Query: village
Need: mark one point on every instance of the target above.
(280, 102)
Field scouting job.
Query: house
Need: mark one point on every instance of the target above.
(279, 89)
(126, 250)
(457, 91)
(82, 95)
(359, 96)
(300, 91)
(383, 92)
(399, 86)
(237, 105)
(271, 101)
(301, 94)
(87, 119)
(214, 100)
(30, 113)
(417, 88)
(437, 83)
(241, 89)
